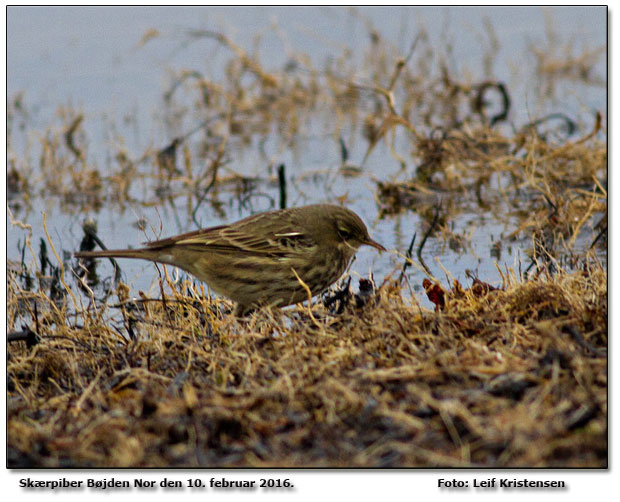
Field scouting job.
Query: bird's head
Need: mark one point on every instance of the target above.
(349, 232)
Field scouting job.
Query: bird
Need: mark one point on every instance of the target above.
(275, 258)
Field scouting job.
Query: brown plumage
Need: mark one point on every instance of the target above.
(252, 260)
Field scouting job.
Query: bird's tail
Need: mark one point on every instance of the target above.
(144, 254)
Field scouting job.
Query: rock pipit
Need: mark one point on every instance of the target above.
(266, 259)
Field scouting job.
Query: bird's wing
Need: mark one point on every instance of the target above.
(257, 234)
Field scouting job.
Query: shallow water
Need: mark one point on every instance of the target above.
(92, 59)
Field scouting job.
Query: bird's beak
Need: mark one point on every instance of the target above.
(375, 245)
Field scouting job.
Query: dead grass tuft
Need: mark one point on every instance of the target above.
(514, 377)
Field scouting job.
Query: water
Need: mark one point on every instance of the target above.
(96, 60)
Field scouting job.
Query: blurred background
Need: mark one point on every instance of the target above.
(156, 121)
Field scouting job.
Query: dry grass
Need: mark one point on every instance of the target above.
(514, 377)
(508, 377)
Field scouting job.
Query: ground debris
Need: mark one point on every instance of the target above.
(383, 384)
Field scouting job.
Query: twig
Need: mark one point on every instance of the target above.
(60, 263)
(90, 231)
(600, 234)
(578, 337)
(344, 152)
(27, 335)
(215, 164)
(282, 183)
(426, 235)
(408, 260)
(402, 63)
(480, 103)
(69, 137)
(307, 288)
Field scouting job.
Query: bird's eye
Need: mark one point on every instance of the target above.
(344, 234)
